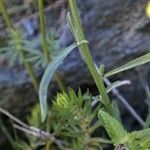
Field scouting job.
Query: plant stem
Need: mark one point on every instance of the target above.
(27, 66)
(16, 36)
(32, 75)
(48, 144)
(84, 50)
(100, 140)
(116, 93)
(6, 16)
(57, 77)
(60, 82)
(43, 30)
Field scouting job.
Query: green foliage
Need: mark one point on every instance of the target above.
(71, 118)
(134, 63)
(36, 56)
(76, 117)
(115, 130)
(13, 52)
(47, 77)
(16, 51)
(116, 110)
(74, 108)
(28, 142)
(137, 140)
(34, 119)
(23, 52)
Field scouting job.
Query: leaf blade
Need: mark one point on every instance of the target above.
(48, 74)
(134, 63)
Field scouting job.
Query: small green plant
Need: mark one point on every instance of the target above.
(136, 140)
(73, 118)
(76, 118)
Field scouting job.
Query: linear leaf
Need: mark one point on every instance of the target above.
(117, 84)
(48, 74)
(134, 63)
(33, 58)
(71, 25)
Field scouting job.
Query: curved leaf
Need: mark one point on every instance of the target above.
(134, 63)
(48, 74)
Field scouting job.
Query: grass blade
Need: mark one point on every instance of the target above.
(134, 63)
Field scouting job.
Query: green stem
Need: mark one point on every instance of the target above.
(27, 65)
(100, 140)
(57, 77)
(32, 75)
(84, 50)
(95, 126)
(60, 82)
(6, 16)
(43, 30)
(48, 145)
(85, 128)
(16, 36)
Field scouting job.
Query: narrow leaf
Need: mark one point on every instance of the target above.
(33, 58)
(134, 63)
(117, 84)
(32, 51)
(71, 25)
(48, 74)
(116, 110)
